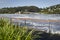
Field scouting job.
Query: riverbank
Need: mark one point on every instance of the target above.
(39, 35)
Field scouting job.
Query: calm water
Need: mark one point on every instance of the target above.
(55, 25)
(36, 16)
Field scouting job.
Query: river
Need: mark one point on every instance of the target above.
(55, 25)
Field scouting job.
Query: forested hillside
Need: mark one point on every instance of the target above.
(52, 9)
(22, 9)
(55, 9)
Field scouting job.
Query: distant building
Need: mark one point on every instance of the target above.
(19, 12)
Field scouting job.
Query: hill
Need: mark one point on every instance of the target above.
(55, 9)
(52, 9)
(22, 9)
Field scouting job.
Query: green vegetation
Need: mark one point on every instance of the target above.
(10, 32)
(21, 9)
(52, 9)
(55, 9)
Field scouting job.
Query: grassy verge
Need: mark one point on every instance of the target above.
(10, 32)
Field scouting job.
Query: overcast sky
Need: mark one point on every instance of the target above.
(38, 3)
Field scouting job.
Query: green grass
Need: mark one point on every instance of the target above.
(10, 32)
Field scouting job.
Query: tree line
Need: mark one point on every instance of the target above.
(52, 9)
(55, 9)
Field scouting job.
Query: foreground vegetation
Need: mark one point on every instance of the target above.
(11, 32)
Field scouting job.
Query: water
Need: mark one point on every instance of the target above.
(36, 16)
(55, 25)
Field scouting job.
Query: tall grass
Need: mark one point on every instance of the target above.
(10, 32)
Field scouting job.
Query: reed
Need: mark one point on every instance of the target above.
(10, 32)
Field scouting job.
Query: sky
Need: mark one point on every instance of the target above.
(38, 3)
